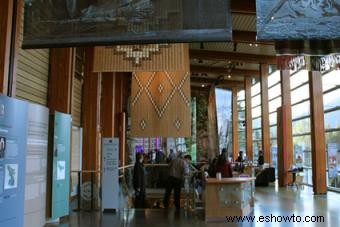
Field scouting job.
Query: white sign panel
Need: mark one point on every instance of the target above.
(110, 184)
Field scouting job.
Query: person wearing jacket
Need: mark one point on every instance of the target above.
(139, 181)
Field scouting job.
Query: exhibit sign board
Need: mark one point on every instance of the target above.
(13, 135)
(61, 165)
(36, 166)
(332, 162)
(110, 181)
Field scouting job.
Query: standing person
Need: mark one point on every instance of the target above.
(260, 160)
(177, 169)
(139, 181)
(171, 156)
(223, 165)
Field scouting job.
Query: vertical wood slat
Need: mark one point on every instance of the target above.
(60, 81)
(6, 14)
(32, 70)
(235, 124)
(108, 104)
(249, 120)
(286, 134)
(264, 69)
(317, 133)
(91, 115)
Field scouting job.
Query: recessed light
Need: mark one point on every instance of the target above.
(229, 76)
(202, 85)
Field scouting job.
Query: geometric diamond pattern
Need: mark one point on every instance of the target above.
(160, 88)
(143, 124)
(177, 124)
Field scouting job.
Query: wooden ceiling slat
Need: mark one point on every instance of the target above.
(224, 71)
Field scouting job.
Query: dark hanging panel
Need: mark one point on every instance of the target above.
(56, 23)
(298, 19)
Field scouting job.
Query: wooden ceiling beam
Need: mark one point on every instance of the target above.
(231, 56)
(248, 37)
(216, 81)
(243, 6)
(224, 71)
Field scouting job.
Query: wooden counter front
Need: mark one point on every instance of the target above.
(228, 197)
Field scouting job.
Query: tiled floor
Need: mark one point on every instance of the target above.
(269, 201)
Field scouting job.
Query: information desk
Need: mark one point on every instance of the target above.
(228, 197)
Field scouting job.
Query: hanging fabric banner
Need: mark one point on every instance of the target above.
(297, 19)
(213, 148)
(160, 104)
(65, 23)
(142, 58)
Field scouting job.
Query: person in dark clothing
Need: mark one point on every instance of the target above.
(260, 160)
(177, 170)
(139, 181)
(223, 166)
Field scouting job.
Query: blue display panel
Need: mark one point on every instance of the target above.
(13, 133)
(60, 165)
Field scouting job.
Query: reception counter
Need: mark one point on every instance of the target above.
(228, 197)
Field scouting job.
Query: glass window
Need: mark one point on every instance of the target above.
(257, 145)
(273, 150)
(256, 100)
(331, 80)
(223, 110)
(273, 118)
(241, 105)
(242, 140)
(256, 112)
(274, 78)
(257, 134)
(298, 78)
(302, 151)
(273, 132)
(301, 126)
(241, 95)
(331, 99)
(255, 89)
(274, 104)
(257, 123)
(274, 91)
(332, 120)
(300, 94)
(300, 110)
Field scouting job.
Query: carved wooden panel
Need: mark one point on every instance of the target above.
(160, 104)
(141, 58)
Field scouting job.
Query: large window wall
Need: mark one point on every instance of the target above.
(241, 120)
(256, 118)
(331, 101)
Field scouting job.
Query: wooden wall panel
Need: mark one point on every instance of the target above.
(175, 57)
(235, 124)
(264, 70)
(249, 120)
(317, 133)
(160, 104)
(76, 104)
(32, 73)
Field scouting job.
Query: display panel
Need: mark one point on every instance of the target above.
(13, 138)
(102, 22)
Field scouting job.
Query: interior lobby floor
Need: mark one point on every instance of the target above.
(269, 201)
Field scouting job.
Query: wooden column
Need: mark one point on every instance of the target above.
(108, 104)
(91, 115)
(62, 63)
(10, 20)
(264, 68)
(317, 133)
(235, 124)
(285, 132)
(249, 120)
(120, 117)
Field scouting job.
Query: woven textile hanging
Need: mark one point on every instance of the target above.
(160, 104)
